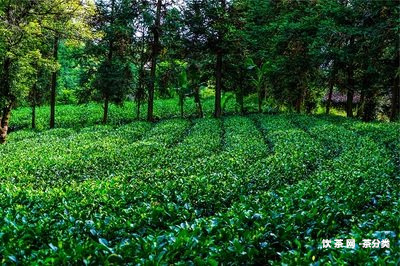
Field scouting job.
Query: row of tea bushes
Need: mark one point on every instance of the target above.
(259, 190)
(288, 224)
(85, 115)
(295, 154)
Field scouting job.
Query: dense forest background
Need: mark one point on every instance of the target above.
(285, 55)
(199, 132)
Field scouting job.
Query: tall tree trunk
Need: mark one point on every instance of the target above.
(110, 62)
(350, 83)
(5, 91)
(395, 108)
(139, 91)
(299, 100)
(154, 54)
(4, 120)
(34, 106)
(105, 110)
(197, 100)
(218, 85)
(360, 105)
(329, 102)
(138, 109)
(298, 105)
(53, 85)
(395, 112)
(350, 91)
(5, 78)
(369, 100)
(241, 103)
(33, 116)
(106, 94)
(218, 69)
(369, 106)
(349, 103)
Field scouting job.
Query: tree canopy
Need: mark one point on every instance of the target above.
(293, 55)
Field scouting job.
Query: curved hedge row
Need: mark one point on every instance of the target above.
(244, 190)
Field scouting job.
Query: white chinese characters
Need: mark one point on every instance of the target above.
(326, 243)
(351, 243)
(338, 243)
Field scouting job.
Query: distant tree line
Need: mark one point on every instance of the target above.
(289, 53)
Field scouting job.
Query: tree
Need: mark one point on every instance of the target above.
(205, 31)
(15, 26)
(221, 30)
(38, 93)
(109, 74)
(297, 48)
(24, 24)
(194, 81)
(67, 19)
(155, 49)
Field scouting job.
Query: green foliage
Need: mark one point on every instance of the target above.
(84, 115)
(26, 28)
(259, 189)
(70, 72)
(254, 189)
(67, 97)
(108, 73)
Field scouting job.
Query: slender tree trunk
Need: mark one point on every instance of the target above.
(218, 85)
(395, 108)
(150, 100)
(218, 70)
(154, 54)
(349, 103)
(350, 91)
(138, 109)
(369, 99)
(4, 120)
(34, 107)
(105, 110)
(33, 116)
(332, 79)
(5, 78)
(299, 100)
(110, 62)
(395, 112)
(350, 83)
(197, 100)
(141, 83)
(360, 107)
(329, 102)
(5, 90)
(298, 105)
(53, 85)
(139, 91)
(370, 106)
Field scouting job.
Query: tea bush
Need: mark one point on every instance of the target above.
(238, 190)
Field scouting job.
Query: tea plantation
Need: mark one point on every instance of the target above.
(257, 189)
